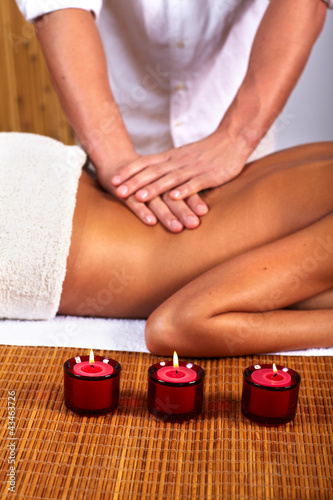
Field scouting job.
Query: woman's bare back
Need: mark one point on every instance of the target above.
(119, 267)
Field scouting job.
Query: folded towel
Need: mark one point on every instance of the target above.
(39, 179)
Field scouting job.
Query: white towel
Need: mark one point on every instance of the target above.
(83, 334)
(38, 184)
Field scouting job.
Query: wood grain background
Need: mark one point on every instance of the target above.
(28, 102)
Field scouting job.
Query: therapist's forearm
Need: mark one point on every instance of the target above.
(75, 57)
(279, 53)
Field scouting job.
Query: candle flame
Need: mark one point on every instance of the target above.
(175, 360)
(91, 357)
(275, 369)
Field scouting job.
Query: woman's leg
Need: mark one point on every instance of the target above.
(239, 307)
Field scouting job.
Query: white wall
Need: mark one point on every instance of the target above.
(308, 114)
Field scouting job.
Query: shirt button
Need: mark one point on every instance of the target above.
(179, 86)
(178, 124)
(180, 44)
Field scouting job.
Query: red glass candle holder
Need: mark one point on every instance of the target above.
(267, 405)
(88, 395)
(175, 402)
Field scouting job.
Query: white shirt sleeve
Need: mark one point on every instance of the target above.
(31, 9)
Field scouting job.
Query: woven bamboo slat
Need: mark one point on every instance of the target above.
(28, 102)
(130, 454)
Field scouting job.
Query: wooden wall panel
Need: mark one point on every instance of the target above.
(28, 102)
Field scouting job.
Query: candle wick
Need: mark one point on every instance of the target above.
(176, 372)
(275, 374)
(92, 366)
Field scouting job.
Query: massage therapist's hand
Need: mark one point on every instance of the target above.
(73, 49)
(268, 82)
(207, 163)
(173, 215)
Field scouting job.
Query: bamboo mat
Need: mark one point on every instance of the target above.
(28, 102)
(130, 454)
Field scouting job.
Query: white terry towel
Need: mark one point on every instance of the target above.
(38, 184)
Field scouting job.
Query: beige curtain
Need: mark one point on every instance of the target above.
(28, 102)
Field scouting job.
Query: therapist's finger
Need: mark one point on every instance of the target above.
(141, 210)
(193, 186)
(148, 175)
(182, 211)
(165, 181)
(166, 216)
(211, 179)
(137, 166)
(198, 206)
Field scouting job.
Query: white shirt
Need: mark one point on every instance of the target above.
(174, 65)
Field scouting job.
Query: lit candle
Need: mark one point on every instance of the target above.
(91, 384)
(270, 394)
(175, 390)
(271, 376)
(176, 374)
(92, 368)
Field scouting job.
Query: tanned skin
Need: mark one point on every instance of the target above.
(255, 276)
